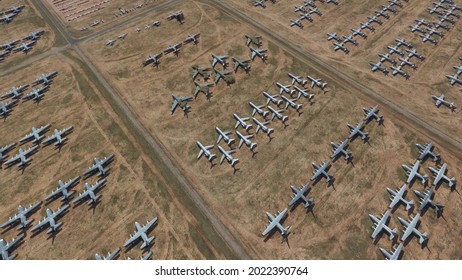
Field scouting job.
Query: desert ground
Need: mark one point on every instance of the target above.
(339, 226)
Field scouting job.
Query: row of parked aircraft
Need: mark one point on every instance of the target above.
(64, 191)
(306, 10)
(24, 44)
(453, 79)
(9, 14)
(341, 41)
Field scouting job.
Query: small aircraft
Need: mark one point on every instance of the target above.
(50, 220)
(141, 234)
(227, 155)
(398, 196)
(275, 223)
(181, 102)
(381, 224)
(440, 100)
(204, 150)
(439, 174)
(20, 218)
(394, 255)
(224, 135)
(63, 190)
(321, 171)
(299, 194)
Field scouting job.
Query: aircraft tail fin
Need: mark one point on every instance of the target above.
(253, 146)
(234, 162)
(394, 233)
(409, 205)
(423, 238)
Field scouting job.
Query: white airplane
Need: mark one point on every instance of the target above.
(242, 122)
(372, 113)
(321, 171)
(262, 126)
(458, 69)
(394, 49)
(413, 52)
(378, 66)
(141, 234)
(5, 247)
(426, 150)
(98, 166)
(317, 82)
(428, 38)
(296, 22)
(303, 92)
(299, 194)
(272, 98)
(413, 173)
(5, 108)
(297, 79)
(204, 150)
(22, 156)
(21, 217)
(227, 155)
(50, 220)
(122, 36)
(36, 94)
(15, 92)
(333, 36)
(381, 13)
(284, 88)
(350, 39)
(245, 139)
(219, 59)
(291, 103)
(358, 32)
(454, 79)
(440, 100)
(35, 135)
(381, 224)
(90, 193)
(278, 115)
(340, 46)
(426, 199)
(398, 196)
(258, 109)
(406, 61)
(366, 25)
(63, 189)
(275, 223)
(410, 227)
(225, 136)
(358, 131)
(399, 70)
(110, 42)
(402, 42)
(261, 53)
(340, 149)
(260, 3)
(394, 255)
(387, 57)
(110, 256)
(439, 174)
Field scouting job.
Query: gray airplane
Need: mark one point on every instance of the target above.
(20, 218)
(22, 157)
(258, 109)
(260, 3)
(58, 137)
(380, 224)
(389, 8)
(381, 13)
(6, 247)
(223, 75)
(272, 98)
(447, 19)
(262, 126)
(175, 49)
(356, 131)
(399, 70)
(110, 256)
(372, 113)
(387, 57)
(3, 54)
(178, 16)
(421, 21)
(378, 66)
(254, 40)
(296, 22)
(277, 114)
(99, 167)
(110, 42)
(245, 140)
(403, 42)
(306, 16)
(5, 108)
(426, 150)
(227, 155)
(415, 28)
(432, 31)
(406, 61)
(297, 79)
(426, 200)
(244, 64)
(204, 72)
(413, 173)
(205, 150)
(439, 174)
(24, 47)
(153, 59)
(454, 79)
(15, 92)
(204, 88)
(5, 150)
(63, 190)
(275, 223)
(261, 53)
(224, 136)
(333, 36)
(358, 32)
(304, 92)
(366, 25)
(428, 38)
(193, 38)
(440, 100)
(374, 19)
(242, 122)
(50, 220)
(181, 102)
(33, 36)
(398, 196)
(394, 49)
(321, 171)
(299, 194)
(291, 103)
(394, 255)
(340, 46)
(45, 79)
(340, 149)
(410, 227)
(459, 70)
(219, 59)
(90, 193)
(317, 82)
(414, 53)
(36, 94)
(141, 234)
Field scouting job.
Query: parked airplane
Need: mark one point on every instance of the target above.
(387, 57)
(413, 52)
(406, 61)
(258, 109)
(178, 16)
(99, 167)
(24, 47)
(33, 36)
(356, 131)
(296, 22)
(110, 42)
(255, 40)
(439, 24)
(50, 220)
(284, 88)
(277, 114)
(374, 19)
(432, 31)
(415, 28)
(439, 174)
(154, 59)
(219, 59)
(413, 173)
(204, 88)
(22, 157)
(58, 137)
(222, 75)
(428, 38)
(5, 108)
(321, 171)
(410, 227)
(333, 36)
(63, 190)
(35, 135)
(399, 70)
(141, 234)
(110, 255)
(244, 64)
(426, 199)
(242, 122)
(8, 46)
(446, 19)
(440, 100)
(261, 53)
(394, 255)
(228, 156)
(275, 223)
(389, 8)
(90, 193)
(421, 21)
(317, 82)
(204, 72)
(372, 113)
(340, 149)
(315, 11)
(297, 79)
(426, 150)
(20, 218)
(224, 136)
(260, 3)
(272, 98)
(15, 92)
(380, 224)
(366, 25)
(358, 32)
(306, 16)
(378, 66)
(380, 13)
(204, 150)
(398, 196)
(181, 102)
(4, 151)
(300, 9)
(458, 69)
(394, 49)
(291, 103)
(194, 38)
(36, 94)
(175, 49)
(245, 140)
(402, 42)
(262, 126)
(340, 46)
(454, 79)
(7, 18)
(6, 247)
(299, 194)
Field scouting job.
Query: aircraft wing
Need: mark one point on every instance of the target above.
(28, 136)
(40, 224)
(150, 224)
(12, 160)
(174, 105)
(132, 238)
(10, 221)
(50, 139)
(32, 208)
(13, 242)
(269, 228)
(81, 196)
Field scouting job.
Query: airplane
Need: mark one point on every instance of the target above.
(90, 193)
(364, 25)
(398, 70)
(284, 88)
(434, 10)
(156, 23)
(110, 42)
(333, 36)
(175, 49)
(50, 220)
(398, 196)
(262, 126)
(386, 57)
(277, 113)
(303, 92)
(407, 62)
(9, 45)
(24, 47)
(413, 173)
(321, 171)
(380, 13)
(395, 3)
(194, 38)
(441, 100)
(98, 167)
(421, 21)
(372, 113)
(258, 109)
(219, 59)
(340, 149)
(21, 217)
(255, 40)
(459, 70)
(5, 108)
(58, 138)
(3, 54)
(296, 22)
(45, 79)
(394, 255)
(358, 32)
(439, 174)
(36, 94)
(245, 140)
(204, 88)
(299, 194)
(349, 39)
(439, 24)
(222, 75)
(291, 103)
(224, 136)
(428, 38)
(261, 53)
(432, 31)
(141, 234)
(375, 19)
(377, 66)
(260, 3)
(410, 228)
(300, 9)
(35, 134)
(15, 92)
(306, 16)
(146, 256)
(22, 157)
(244, 64)
(110, 256)
(358, 131)
(455, 7)
(4, 150)
(310, 3)
(7, 18)
(454, 79)
(388, 8)
(446, 19)
(227, 155)
(317, 82)
(415, 28)
(154, 59)
(315, 11)
(426, 199)
(439, 5)
(33, 36)
(426, 150)
(394, 49)
(413, 52)
(178, 15)
(204, 72)
(275, 223)
(14, 9)
(204, 150)
(242, 122)
(5, 247)
(380, 224)
(335, 2)
(402, 42)
(63, 190)
(340, 46)
(272, 98)
(122, 36)
(181, 102)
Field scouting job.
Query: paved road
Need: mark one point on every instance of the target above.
(345, 80)
(212, 221)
